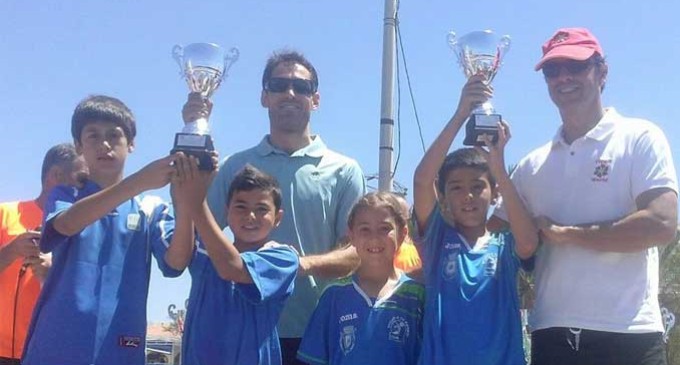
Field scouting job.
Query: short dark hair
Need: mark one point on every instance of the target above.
(288, 56)
(380, 199)
(102, 108)
(463, 158)
(250, 178)
(61, 155)
(598, 60)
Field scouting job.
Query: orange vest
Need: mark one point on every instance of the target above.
(18, 294)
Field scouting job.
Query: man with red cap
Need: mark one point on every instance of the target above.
(604, 193)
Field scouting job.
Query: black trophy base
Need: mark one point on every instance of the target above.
(480, 124)
(197, 145)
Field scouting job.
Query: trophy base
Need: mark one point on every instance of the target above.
(197, 145)
(480, 124)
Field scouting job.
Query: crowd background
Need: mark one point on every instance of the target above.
(55, 53)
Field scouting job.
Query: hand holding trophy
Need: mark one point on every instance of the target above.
(203, 66)
(480, 52)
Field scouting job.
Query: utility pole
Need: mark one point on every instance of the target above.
(387, 97)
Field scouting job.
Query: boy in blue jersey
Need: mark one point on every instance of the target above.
(92, 309)
(472, 313)
(238, 289)
(375, 315)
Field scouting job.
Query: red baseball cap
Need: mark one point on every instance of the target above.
(572, 43)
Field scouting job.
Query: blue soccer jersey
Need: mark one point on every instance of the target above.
(350, 328)
(229, 323)
(92, 309)
(472, 313)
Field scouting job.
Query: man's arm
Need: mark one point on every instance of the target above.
(22, 246)
(475, 91)
(86, 211)
(333, 264)
(653, 224)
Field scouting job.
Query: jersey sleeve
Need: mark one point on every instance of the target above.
(315, 347)
(273, 271)
(161, 229)
(61, 198)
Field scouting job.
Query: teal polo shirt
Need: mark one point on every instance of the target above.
(319, 187)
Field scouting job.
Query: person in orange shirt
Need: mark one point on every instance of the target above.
(22, 267)
(407, 258)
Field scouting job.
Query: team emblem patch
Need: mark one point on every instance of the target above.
(450, 265)
(560, 37)
(348, 339)
(601, 172)
(398, 329)
(133, 221)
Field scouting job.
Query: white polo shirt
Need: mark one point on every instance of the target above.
(596, 179)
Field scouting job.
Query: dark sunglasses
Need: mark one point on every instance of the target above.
(552, 69)
(281, 84)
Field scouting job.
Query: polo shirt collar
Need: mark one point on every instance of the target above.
(314, 149)
(598, 133)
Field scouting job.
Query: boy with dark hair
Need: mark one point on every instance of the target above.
(238, 288)
(472, 307)
(92, 309)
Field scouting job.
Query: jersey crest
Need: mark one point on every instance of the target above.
(348, 339)
(398, 329)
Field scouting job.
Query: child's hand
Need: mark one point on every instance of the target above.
(197, 106)
(475, 92)
(494, 153)
(157, 174)
(190, 185)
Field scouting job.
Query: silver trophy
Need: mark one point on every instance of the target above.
(203, 66)
(480, 52)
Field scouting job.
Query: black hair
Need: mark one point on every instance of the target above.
(287, 56)
(250, 178)
(102, 108)
(61, 155)
(463, 158)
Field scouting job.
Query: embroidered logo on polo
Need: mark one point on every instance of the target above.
(348, 339)
(601, 173)
(398, 329)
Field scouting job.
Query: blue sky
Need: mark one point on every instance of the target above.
(54, 53)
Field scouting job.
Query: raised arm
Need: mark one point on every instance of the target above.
(181, 247)
(475, 91)
(521, 222)
(224, 256)
(86, 211)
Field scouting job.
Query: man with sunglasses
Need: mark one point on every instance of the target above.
(319, 186)
(604, 192)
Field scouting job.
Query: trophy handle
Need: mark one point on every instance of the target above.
(504, 43)
(178, 55)
(229, 59)
(451, 40)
